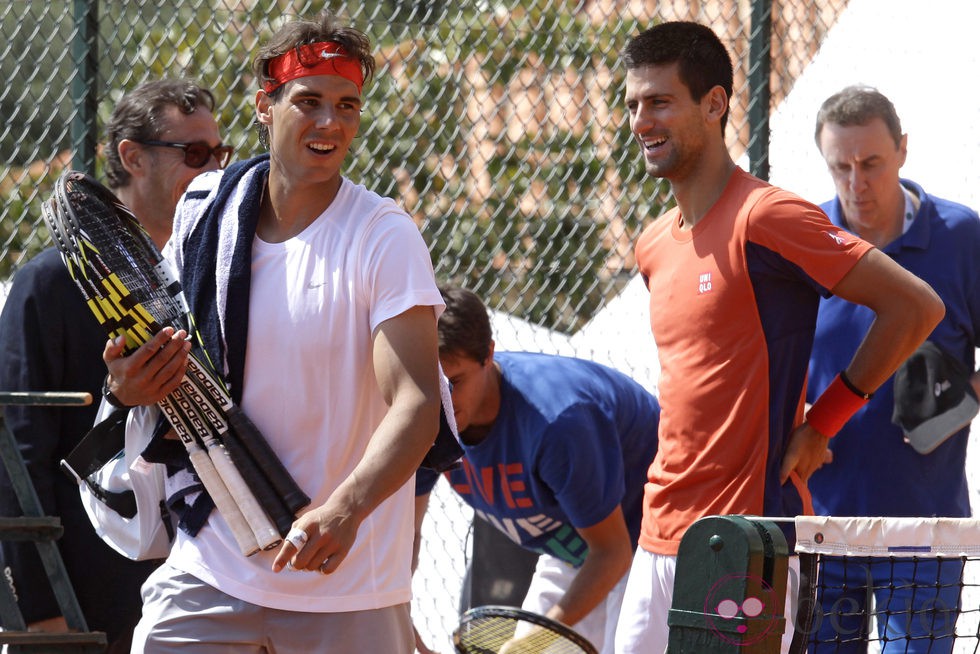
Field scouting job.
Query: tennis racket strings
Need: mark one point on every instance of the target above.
(508, 630)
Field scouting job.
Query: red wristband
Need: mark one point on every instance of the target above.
(833, 408)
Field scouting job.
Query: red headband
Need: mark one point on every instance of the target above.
(327, 58)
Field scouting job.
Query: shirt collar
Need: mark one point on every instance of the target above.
(917, 235)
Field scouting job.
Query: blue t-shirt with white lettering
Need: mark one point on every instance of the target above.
(573, 439)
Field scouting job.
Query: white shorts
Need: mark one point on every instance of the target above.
(184, 615)
(551, 579)
(642, 625)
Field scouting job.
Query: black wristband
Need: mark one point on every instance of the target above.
(854, 389)
(110, 397)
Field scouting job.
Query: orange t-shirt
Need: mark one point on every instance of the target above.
(733, 305)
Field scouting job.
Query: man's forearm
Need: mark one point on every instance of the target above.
(600, 572)
(396, 449)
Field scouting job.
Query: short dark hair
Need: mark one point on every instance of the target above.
(702, 60)
(292, 35)
(464, 327)
(141, 116)
(858, 105)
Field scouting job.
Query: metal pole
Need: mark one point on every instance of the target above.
(760, 66)
(85, 57)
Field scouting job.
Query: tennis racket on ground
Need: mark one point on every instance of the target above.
(507, 630)
(129, 288)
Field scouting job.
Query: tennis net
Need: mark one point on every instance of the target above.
(876, 585)
(888, 585)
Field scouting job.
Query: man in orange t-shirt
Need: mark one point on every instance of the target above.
(735, 273)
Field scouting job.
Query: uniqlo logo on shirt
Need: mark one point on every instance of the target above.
(704, 283)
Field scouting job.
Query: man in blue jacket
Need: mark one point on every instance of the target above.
(908, 467)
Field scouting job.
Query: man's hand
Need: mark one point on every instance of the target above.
(805, 453)
(150, 373)
(56, 625)
(330, 529)
(538, 639)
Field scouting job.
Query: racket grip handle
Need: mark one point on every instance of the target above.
(266, 534)
(260, 486)
(259, 450)
(224, 502)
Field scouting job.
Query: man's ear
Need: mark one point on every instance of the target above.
(715, 103)
(903, 150)
(132, 155)
(263, 107)
(490, 353)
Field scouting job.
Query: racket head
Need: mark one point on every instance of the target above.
(81, 205)
(114, 261)
(486, 629)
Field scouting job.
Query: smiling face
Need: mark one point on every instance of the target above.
(311, 127)
(668, 124)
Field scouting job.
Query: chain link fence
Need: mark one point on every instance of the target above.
(498, 125)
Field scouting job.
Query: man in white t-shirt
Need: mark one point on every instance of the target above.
(318, 297)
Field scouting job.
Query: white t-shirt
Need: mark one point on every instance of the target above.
(310, 388)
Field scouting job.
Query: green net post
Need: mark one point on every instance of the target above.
(730, 588)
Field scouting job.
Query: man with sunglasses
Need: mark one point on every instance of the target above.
(198, 153)
(159, 137)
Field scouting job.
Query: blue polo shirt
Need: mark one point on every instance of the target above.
(874, 472)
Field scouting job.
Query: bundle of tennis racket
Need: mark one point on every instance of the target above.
(130, 288)
(508, 630)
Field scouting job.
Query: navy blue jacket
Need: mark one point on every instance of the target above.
(50, 341)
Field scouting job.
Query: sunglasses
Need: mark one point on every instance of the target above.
(198, 153)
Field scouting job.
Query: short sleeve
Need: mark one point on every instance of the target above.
(800, 233)
(400, 270)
